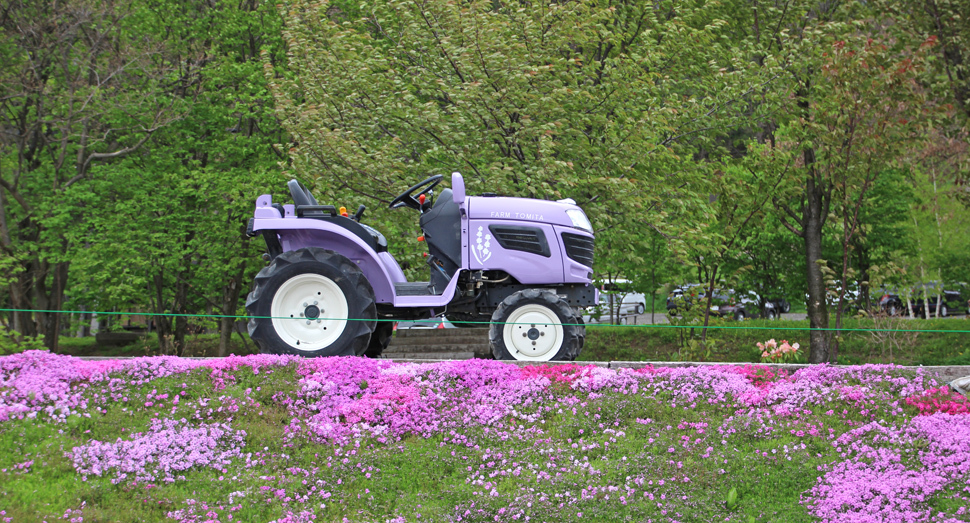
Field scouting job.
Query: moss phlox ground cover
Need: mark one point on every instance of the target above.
(272, 438)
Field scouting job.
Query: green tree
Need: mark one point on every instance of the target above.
(606, 104)
(945, 23)
(857, 109)
(766, 263)
(75, 92)
(738, 198)
(182, 225)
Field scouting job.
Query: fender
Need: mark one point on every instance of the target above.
(297, 234)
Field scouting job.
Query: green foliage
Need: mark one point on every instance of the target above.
(731, 502)
(682, 129)
(572, 100)
(164, 230)
(695, 349)
(935, 342)
(12, 342)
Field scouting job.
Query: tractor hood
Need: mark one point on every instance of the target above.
(526, 209)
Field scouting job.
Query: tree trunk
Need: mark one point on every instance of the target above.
(653, 279)
(707, 306)
(163, 324)
(163, 332)
(51, 321)
(230, 300)
(864, 264)
(818, 315)
(179, 308)
(23, 320)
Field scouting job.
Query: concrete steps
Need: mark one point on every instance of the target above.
(439, 344)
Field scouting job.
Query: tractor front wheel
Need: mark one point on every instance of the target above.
(536, 325)
(311, 302)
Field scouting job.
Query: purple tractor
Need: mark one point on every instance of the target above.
(332, 289)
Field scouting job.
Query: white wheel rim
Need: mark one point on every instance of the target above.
(533, 333)
(294, 306)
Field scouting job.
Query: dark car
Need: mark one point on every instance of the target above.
(769, 309)
(891, 304)
(724, 304)
(683, 296)
(951, 302)
(780, 305)
(894, 305)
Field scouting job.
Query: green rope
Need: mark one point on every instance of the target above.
(434, 321)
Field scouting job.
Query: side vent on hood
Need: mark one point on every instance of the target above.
(526, 239)
(579, 248)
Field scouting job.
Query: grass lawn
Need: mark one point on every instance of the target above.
(265, 438)
(734, 343)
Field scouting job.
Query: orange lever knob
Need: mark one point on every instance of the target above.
(421, 199)
(421, 238)
(343, 211)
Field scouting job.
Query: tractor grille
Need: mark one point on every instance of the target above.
(579, 248)
(527, 239)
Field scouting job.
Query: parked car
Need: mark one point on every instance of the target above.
(894, 305)
(771, 310)
(781, 305)
(853, 298)
(891, 304)
(724, 303)
(951, 301)
(683, 295)
(626, 302)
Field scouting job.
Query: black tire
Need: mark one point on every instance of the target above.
(641, 308)
(943, 311)
(339, 325)
(785, 306)
(581, 335)
(891, 309)
(552, 330)
(739, 316)
(771, 314)
(379, 340)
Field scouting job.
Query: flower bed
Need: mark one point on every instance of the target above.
(266, 438)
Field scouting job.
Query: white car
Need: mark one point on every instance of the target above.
(625, 303)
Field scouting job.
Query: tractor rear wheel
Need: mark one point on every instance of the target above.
(536, 325)
(311, 302)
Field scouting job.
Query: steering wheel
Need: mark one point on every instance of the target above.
(408, 198)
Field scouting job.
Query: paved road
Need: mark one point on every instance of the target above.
(661, 318)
